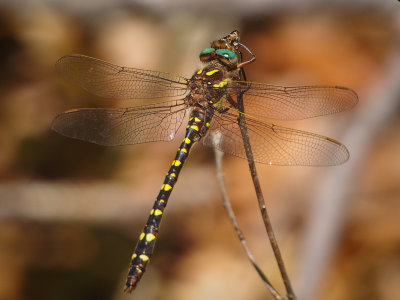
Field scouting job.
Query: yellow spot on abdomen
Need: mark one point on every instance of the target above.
(133, 256)
(208, 124)
(197, 120)
(152, 211)
(187, 140)
(158, 212)
(184, 150)
(141, 236)
(139, 272)
(173, 174)
(167, 187)
(195, 127)
(200, 71)
(209, 73)
(144, 257)
(176, 163)
(150, 237)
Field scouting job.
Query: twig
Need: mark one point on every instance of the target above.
(260, 198)
(218, 159)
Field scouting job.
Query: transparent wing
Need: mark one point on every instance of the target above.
(122, 126)
(274, 145)
(110, 81)
(291, 103)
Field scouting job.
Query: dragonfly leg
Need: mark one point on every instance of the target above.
(247, 62)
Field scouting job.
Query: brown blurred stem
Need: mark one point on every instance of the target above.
(260, 198)
(228, 207)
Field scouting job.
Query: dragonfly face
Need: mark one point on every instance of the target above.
(224, 50)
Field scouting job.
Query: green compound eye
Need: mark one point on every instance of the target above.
(206, 51)
(227, 54)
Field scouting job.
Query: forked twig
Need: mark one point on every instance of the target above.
(218, 160)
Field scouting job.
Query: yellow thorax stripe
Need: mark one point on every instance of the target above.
(221, 83)
(209, 73)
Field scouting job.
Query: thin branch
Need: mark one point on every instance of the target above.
(260, 198)
(231, 214)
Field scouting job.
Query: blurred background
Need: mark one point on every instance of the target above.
(70, 211)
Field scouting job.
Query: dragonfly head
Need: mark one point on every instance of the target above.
(225, 56)
(224, 50)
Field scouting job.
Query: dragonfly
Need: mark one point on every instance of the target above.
(210, 99)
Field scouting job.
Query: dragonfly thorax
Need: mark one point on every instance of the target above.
(208, 85)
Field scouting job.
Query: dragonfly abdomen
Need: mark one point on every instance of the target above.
(196, 128)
